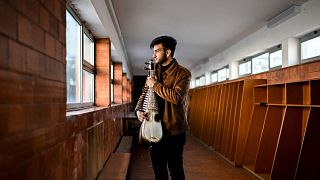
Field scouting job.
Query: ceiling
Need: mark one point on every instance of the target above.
(202, 28)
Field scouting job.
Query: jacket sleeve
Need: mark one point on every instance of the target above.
(177, 93)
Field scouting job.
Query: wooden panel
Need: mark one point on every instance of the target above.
(315, 89)
(289, 144)
(254, 135)
(308, 164)
(269, 139)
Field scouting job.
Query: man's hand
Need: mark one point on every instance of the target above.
(151, 81)
(142, 116)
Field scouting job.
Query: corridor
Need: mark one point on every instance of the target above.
(200, 162)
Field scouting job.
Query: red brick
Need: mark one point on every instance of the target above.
(44, 18)
(25, 30)
(52, 69)
(54, 27)
(4, 52)
(8, 18)
(50, 45)
(32, 61)
(30, 8)
(38, 38)
(62, 33)
(17, 56)
(60, 56)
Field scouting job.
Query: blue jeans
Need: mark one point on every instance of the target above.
(168, 153)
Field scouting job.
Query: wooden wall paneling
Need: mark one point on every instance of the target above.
(308, 164)
(190, 108)
(236, 121)
(269, 139)
(203, 116)
(254, 135)
(314, 92)
(230, 109)
(245, 115)
(290, 140)
(197, 113)
(209, 115)
(223, 119)
(219, 118)
(232, 118)
(217, 93)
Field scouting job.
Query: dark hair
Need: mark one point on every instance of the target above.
(166, 41)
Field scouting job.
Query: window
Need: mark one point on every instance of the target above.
(112, 83)
(269, 59)
(260, 63)
(214, 77)
(202, 80)
(198, 82)
(245, 67)
(310, 46)
(276, 59)
(80, 63)
(223, 74)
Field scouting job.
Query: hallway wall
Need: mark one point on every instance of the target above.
(37, 139)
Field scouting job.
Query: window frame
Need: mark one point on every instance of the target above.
(227, 73)
(307, 37)
(246, 60)
(85, 65)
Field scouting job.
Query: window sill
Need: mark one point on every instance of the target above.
(79, 112)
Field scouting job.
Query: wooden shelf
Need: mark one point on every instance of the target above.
(298, 93)
(315, 92)
(276, 94)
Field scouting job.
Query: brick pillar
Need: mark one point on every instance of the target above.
(124, 88)
(117, 72)
(103, 61)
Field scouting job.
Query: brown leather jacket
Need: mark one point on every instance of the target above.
(174, 90)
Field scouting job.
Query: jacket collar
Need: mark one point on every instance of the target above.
(170, 70)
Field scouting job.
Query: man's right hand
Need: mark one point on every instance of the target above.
(142, 116)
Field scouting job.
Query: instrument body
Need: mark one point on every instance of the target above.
(151, 129)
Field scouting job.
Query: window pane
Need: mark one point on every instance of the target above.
(88, 85)
(198, 82)
(222, 74)
(260, 63)
(245, 68)
(111, 77)
(214, 77)
(88, 49)
(276, 59)
(202, 80)
(73, 59)
(310, 48)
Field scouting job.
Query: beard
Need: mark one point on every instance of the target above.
(161, 60)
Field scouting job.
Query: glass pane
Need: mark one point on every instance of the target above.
(245, 68)
(260, 63)
(222, 74)
(202, 80)
(214, 77)
(310, 48)
(276, 59)
(73, 50)
(88, 50)
(112, 93)
(88, 87)
(198, 82)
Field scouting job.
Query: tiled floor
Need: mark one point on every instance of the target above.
(200, 162)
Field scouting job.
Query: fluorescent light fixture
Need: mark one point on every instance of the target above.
(284, 15)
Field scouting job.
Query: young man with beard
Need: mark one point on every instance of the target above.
(171, 85)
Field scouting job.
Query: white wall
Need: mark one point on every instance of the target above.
(286, 34)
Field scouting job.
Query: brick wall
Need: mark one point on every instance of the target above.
(103, 61)
(37, 139)
(117, 73)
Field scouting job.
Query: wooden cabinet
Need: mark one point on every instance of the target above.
(219, 115)
(282, 141)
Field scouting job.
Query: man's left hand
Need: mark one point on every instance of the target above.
(151, 81)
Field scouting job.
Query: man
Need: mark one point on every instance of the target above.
(171, 85)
